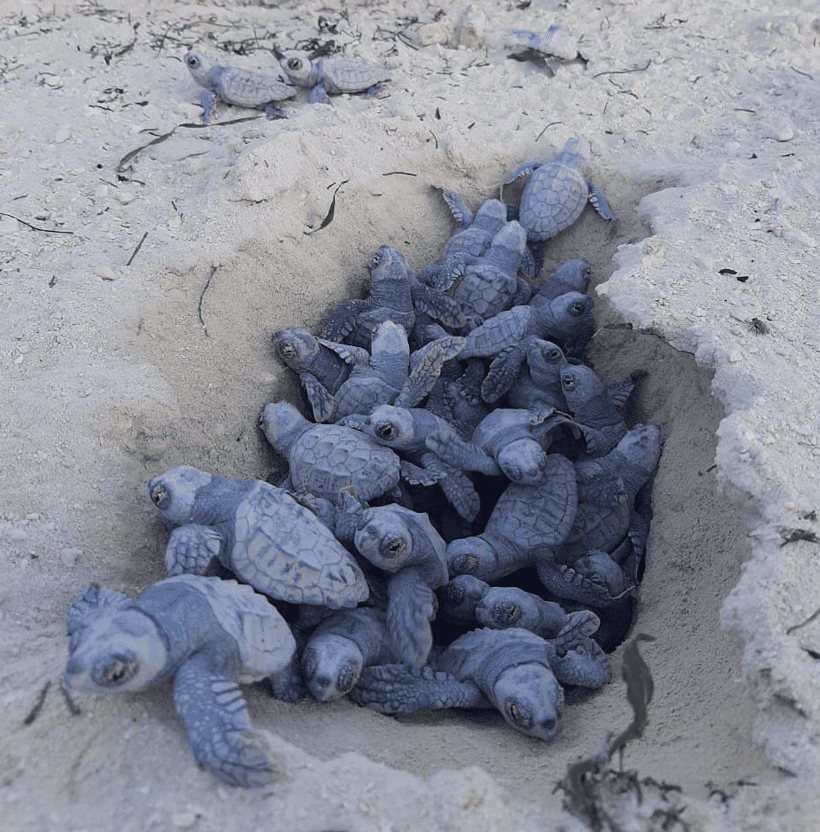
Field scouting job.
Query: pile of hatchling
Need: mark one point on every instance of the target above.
(458, 451)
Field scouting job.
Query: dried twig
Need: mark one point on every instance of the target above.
(329, 218)
(136, 250)
(35, 227)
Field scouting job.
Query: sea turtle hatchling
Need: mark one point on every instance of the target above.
(259, 532)
(395, 295)
(404, 429)
(325, 459)
(565, 320)
(405, 544)
(465, 599)
(332, 76)
(557, 192)
(508, 441)
(513, 670)
(340, 647)
(241, 87)
(210, 635)
(387, 374)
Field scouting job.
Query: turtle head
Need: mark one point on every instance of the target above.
(385, 539)
(641, 450)
(174, 493)
(389, 264)
(297, 348)
(471, 556)
(391, 426)
(507, 606)
(282, 424)
(331, 665)
(523, 461)
(579, 383)
(116, 651)
(530, 699)
(579, 148)
(198, 67)
(297, 67)
(544, 354)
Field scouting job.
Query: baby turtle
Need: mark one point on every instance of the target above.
(514, 670)
(570, 276)
(565, 320)
(596, 410)
(557, 192)
(456, 396)
(405, 430)
(465, 599)
(525, 517)
(210, 635)
(258, 532)
(585, 566)
(340, 647)
(405, 544)
(332, 76)
(471, 239)
(509, 442)
(491, 284)
(395, 295)
(242, 87)
(529, 373)
(324, 459)
(386, 375)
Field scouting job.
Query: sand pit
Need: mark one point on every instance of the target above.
(120, 362)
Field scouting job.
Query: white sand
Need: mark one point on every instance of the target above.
(705, 125)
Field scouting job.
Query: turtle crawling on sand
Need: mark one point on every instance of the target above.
(257, 531)
(332, 76)
(242, 87)
(514, 670)
(209, 634)
(557, 192)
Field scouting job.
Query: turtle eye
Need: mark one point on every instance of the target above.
(158, 494)
(115, 671)
(192, 61)
(287, 350)
(577, 309)
(568, 382)
(517, 714)
(377, 258)
(386, 431)
(295, 64)
(555, 354)
(395, 548)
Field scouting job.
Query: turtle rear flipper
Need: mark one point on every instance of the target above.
(192, 549)
(218, 727)
(599, 202)
(399, 689)
(411, 607)
(568, 584)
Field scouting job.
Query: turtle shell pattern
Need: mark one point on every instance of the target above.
(327, 458)
(262, 636)
(281, 548)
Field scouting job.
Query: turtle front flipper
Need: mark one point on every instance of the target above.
(192, 550)
(322, 402)
(426, 364)
(600, 203)
(461, 454)
(585, 665)
(318, 94)
(566, 583)
(343, 319)
(208, 100)
(218, 726)
(504, 369)
(437, 305)
(411, 607)
(399, 689)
